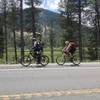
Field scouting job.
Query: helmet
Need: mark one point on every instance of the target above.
(37, 33)
(34, 38)
(66, 42)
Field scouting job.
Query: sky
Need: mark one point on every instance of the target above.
(49, 4)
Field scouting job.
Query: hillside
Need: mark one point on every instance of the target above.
(46, 20)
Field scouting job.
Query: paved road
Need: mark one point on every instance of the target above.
(54, 65)
(50, 83)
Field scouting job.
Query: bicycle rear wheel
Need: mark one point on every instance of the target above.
(44, 60)
(25, 61)
(60, 60)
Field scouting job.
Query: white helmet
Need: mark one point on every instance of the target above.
(66, 42)
(37, 33)
(34, 38)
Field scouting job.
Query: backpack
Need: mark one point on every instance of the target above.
(38, 46)
(73, 45)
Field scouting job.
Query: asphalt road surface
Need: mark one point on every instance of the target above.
(50, 83)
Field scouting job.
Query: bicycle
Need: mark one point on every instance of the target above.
(27, 59)
(60, 60)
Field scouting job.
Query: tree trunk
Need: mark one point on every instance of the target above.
(5, 30)
(21, 26)
(80, 35)
(33, 18)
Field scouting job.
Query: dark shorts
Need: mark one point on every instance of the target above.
(72, 50)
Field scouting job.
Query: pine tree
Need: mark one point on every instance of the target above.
(1, 39)
(12, 21)
(32, 4)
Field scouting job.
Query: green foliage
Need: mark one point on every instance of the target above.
(68, 23)
(92, 47)
(92, 53)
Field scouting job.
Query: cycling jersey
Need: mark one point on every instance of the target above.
(70, 48)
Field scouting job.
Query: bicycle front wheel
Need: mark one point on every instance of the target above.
(25, 61)
(76, 60)
(60, 60)
(44, 60)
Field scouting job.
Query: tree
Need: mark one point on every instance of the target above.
(91, 16)
(4, 11)
(72, 9)
(36, 2)
(8, 13)
(66, 20)
(12, 23)
(92, 46)
(97, 24)
(83, 12)
(1, 39)
(32, 4)
(21, 27)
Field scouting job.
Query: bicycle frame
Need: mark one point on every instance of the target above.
(27, 59)
(60, 60)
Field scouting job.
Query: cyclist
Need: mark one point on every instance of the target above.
(37, 49)
(70, 48)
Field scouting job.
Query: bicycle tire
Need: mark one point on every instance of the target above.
(60, 60)
(25, 61)
(44, 60)
(76, 60)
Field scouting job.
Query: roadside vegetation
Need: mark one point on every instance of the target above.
(75, 20)
(56, 52)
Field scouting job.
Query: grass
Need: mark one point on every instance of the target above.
(11, 55)
(47, 51)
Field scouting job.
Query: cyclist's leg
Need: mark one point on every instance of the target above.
(39, 57)
(66, 53)
(71, 53)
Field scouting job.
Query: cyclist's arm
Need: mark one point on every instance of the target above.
(68, 47)
(64, 49)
